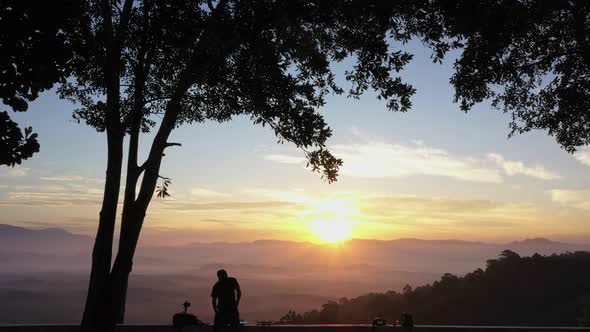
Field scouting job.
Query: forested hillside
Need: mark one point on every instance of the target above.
(512, 290)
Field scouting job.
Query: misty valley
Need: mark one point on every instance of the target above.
(43, 273)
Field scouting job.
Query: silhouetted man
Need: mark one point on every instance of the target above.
(225, 298)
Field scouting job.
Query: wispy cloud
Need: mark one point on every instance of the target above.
(583, 156)
(225, 205)
(71, 178)
(14, 172)
(579, 199)
(51, 199)
(443, 210)
(56, 194)
(285, 159)
(511, 168)
(208, 193)
(378, 160)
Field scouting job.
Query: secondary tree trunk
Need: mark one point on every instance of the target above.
(134, 210)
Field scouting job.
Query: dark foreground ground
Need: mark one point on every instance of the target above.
(298, 328)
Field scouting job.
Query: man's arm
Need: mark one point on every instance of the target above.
(214, 294)
(238, 293)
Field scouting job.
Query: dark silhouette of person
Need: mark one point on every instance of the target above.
(225, 298)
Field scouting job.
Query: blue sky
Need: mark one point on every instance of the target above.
(433, 172)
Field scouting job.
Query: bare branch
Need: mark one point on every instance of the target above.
(172, 144)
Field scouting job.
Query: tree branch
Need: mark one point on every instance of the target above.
(167, 145)
(124, 20)
(147, 101)
(546, 60)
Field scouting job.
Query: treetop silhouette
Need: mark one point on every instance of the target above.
(36, 54)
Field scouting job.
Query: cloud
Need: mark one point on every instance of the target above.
(285, 159)
(225, 205)
(71, 178)
(383, 213)
(379, 160)
(518, 167)
(14, 172)
(204, 192)
(218, 221)
(583, 156)
(51, 196)
(50, 199)
(579, 199)
(444, 210)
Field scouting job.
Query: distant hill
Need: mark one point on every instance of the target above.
(56, 246)
(538, 241)
(13, 238)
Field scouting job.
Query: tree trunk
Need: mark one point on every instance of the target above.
(124, 262)
(97, 300)
(97, 311)
(134, 210)
(102, 251)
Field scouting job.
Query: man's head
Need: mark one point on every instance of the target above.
(221, 274)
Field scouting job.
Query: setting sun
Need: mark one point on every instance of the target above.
(331, 231)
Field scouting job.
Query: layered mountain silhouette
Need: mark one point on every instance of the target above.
(55, 247)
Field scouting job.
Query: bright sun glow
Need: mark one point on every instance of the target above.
(331, 231)
(329, 219)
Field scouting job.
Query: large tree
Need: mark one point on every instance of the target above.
(530, 58)
(155, 65)
(35, 55)
(195, 61)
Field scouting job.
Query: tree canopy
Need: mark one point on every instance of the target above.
(36, 54)
(531, 58)
(268, 60)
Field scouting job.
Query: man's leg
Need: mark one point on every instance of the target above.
(218, 322)
(235, 320)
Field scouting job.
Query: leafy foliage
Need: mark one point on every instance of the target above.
(162, 190)
(15, 146)
(530, 58)
(36, 54)
(269, 60)
(512, 290)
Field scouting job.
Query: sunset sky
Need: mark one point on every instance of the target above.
(432, 173)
